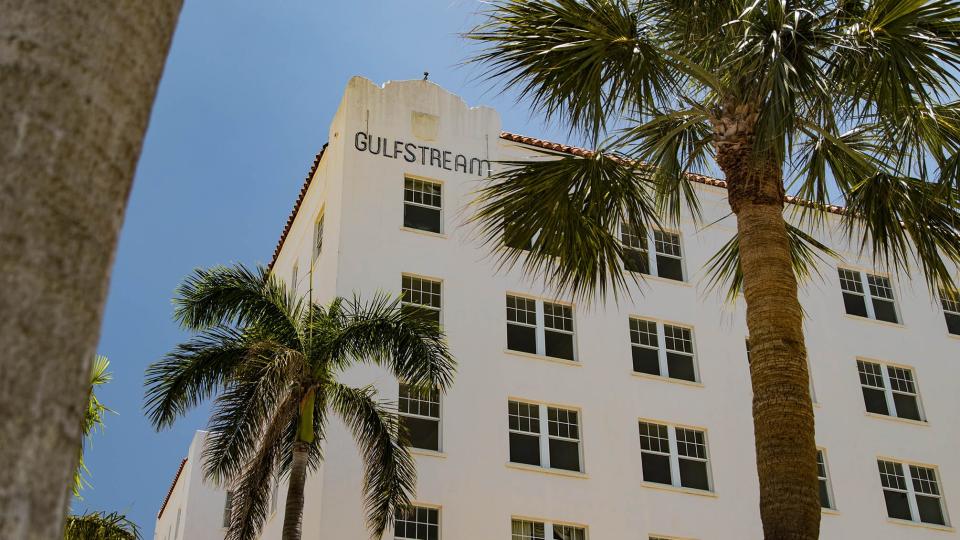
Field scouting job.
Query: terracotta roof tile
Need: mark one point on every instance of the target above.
(296, 206)
(172, 485)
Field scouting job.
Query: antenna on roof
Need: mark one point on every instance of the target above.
(426, 75)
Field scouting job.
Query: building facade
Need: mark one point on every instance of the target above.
(627, 419)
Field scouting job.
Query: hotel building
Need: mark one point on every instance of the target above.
(616, 420)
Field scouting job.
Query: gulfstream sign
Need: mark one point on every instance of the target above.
(418, 153)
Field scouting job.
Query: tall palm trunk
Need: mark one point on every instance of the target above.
(782, 407)
(78, 81)
(293, 511)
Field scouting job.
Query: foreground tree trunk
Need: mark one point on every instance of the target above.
(782, 407)
(293, 510)
(77, 81)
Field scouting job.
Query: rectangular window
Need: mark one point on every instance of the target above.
(294, 277)
(674, 358)
(889, 390)
(667, 260)
(525, 529)
(558, 448)
(868, 295)
(417, 523)
(540, 327)
(674, 456)
(422, 295)
(227, 509)
(419, 411)
(826, 493)
(911, 492)
(318, 237)
(951, 311)
(422, 205)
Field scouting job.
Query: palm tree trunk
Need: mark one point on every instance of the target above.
(78, 81)
(293, 511)
(782, 407)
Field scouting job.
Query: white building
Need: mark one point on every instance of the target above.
(628, 420)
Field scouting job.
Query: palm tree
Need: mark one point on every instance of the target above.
(274, 361)
(815, 97)
(101, 526)
(78, 81)
(92, 419)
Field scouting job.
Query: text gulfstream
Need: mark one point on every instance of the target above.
(425, 155)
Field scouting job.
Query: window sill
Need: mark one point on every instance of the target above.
(661, 378)
(829, 511)
(953, 336)
(874, 321)
(424, 233)
(543, 357)
(427, 453)
(657, 279)
(897, 419)
(676, 489)
(944, 528)
(545, 470)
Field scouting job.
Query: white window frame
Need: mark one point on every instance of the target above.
(317, 240)
(888, 390)
(441, 184)
(540, 328)
(662, 348)
(294, 276)
(822, 453)
(425, 506)
(548, 526)
(405, 302)
(950, 304)
(650, 247)
(868, 297)
(544, 436)
(674, 455)
(912, 493)
(438, 419)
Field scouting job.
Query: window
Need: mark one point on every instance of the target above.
(662, 349)
(951, 311)
(667, 260)
(421, 294)
(558, 448)
(318, 237)
(911, 492)
(422, 205)
(294, 277)
(674, 456)
(419, 411)
(417, 523)
(539, 327)
(826, 494)
(227, 509)
(878, 304)
(524, 529)
(176, 530)
(889, 390)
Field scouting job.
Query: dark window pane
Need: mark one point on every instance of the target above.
(646, 361)
(953, 323)
(524, 449)
(854, 304)
(522, 338)
(907, 406)
(875, 401)
(884, 310)
(559, 345)
(670, 268)
(824, 495)
(656, 468)
(930, 510)
(419, 217)
(680, 366)
(635, 260)
(422, 433)
(693, 474)
(897, 505)
(564, 455)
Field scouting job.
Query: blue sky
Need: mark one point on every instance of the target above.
(244, 104)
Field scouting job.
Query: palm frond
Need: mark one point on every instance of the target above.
(389, 471)
(806, 252)
(568, 210)
(101, 526)
(92, 419)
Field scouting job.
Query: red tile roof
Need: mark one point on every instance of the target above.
(172, 485)
(530, 141)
